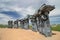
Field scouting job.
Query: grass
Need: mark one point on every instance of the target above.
(30, 26)
(56, 28)
(3, 26)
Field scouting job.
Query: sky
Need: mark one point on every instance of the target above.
(17, 9)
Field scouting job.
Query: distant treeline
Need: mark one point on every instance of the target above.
(53, 27)
(3, 26)
(6, 26)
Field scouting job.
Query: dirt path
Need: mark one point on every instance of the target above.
(21, 34)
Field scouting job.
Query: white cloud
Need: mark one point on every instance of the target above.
(22, 3)
(5, 18)
(55, 12)
(51, 2)
(25, 7)
(24, 11)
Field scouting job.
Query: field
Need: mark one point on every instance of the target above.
(53, 27)
(56, 27)
(3, 26)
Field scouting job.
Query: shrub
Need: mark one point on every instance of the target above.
(3, 26)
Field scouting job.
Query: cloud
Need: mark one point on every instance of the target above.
(52, 2)
(25, 7)
(4, 18)
(25, 11)
(55, 12)
(22, 3)
(13, 14)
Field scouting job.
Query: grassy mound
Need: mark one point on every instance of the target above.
(56, 28)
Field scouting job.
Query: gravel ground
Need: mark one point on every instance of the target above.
(21, 34)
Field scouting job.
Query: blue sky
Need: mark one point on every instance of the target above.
(16, 9)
